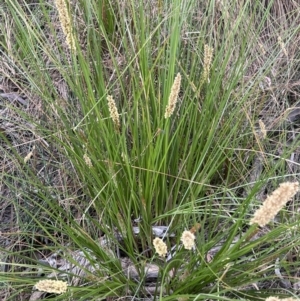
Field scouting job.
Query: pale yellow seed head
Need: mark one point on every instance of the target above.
(188, 240)
(160, 247)
(282, 46)
(65, 21)
(87, 160)
(113, 111)
(208, 55)
(274, 203)
(272, 299)
(277, 299)
(262, 49)
(173, 96)
(52, 286)
(262, 129)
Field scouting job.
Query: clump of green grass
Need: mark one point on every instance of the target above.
(147, 118)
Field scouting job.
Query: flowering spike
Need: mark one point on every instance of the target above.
(52, 286)
(160, 247)
(173, 96)
(113, 111)
(65, 22)
(188, 239)
(274, 203)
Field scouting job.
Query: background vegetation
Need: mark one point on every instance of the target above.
(71, 179)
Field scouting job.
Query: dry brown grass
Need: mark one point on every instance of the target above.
(279, 91)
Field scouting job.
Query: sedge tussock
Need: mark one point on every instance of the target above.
(274, 203)
(188, 240)
(65, 21)
(173, 96)
(113, 111)
(52, 286)
(160, 247)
